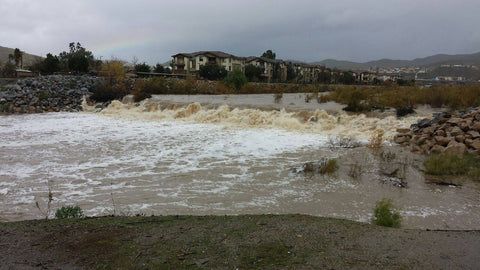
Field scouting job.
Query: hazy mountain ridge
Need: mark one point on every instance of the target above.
(28, 59)
(434, 60)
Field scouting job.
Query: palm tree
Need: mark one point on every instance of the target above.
(10, 57)
(18, 55)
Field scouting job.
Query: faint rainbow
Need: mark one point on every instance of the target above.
(110, 48)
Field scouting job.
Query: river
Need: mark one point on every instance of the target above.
(165, 157)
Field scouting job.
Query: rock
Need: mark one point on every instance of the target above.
(436, 149)
(475, 126)
(429, 130)
(475, 144)
(400, 139)
(455, 131)
(455, 121)
(440, 132)
(442, 140)
(455, 147)
(460, 138)
(473, 133)
(403, 130)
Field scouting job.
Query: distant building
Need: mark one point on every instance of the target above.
(270, 66)
(190, 63)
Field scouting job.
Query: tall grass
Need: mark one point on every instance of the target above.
(453, 164)
(367, 97)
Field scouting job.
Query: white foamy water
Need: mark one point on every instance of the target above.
(141, 161)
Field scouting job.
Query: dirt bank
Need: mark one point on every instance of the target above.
(230, 242)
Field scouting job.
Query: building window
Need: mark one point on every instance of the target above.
(230, 68)
(224, 60)
(201, 59)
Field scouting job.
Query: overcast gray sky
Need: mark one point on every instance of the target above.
(153, 30)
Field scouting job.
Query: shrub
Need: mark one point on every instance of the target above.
(330, 167)
(453, 164)
(278, 97)
(69, 212)
(107, 90)
(148, 87)
(385, 215)
(212, 72)
(325, 166)
(236, 79)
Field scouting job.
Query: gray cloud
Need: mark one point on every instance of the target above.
(302, 30)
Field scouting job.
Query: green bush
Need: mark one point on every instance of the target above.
(453, 164)
(385, 215)
(330, 167)
(69, 212)
(236, 79)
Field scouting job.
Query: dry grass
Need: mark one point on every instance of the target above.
(453, 96)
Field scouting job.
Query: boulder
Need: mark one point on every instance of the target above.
(475, 144)
(440, 140)
(473, 133)
(455, 131)
(455, 147)
(460, 138)
(475, 126)
(437, 149)
(455, 121)
(400, 139)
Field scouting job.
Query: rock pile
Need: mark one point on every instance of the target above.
(45, 94)
(446, 132)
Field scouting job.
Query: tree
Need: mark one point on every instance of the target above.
(159, 69)
(113, 70)
(253, 73)
(236, 79)
(78, 59)
(291, 72)
(142, 67)
(8, 70)
(212, 72)
(269, 54)
(346, 78)
(18, 57)
(51, 64)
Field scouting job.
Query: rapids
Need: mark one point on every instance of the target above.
(164, 159)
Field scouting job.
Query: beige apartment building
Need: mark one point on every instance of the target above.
(190, 63)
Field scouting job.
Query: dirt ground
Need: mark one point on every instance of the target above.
(230, 242)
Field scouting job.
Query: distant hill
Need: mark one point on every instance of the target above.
(28, 59)
(434, 60)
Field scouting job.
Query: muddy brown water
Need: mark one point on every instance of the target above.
(220, 160)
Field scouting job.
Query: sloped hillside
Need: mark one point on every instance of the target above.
(28, 59)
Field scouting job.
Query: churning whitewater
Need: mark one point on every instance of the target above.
(193, 160)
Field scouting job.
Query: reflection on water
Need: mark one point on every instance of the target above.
(183, 165)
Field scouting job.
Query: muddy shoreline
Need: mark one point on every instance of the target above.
(230, 242)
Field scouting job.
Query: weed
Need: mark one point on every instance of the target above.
(342, 141)
(385, 215)
(324, 166)
(69, 212)
(356, 170)
(388, 156)
(375, 141)
(46, 212)
(43, 95)
(278, 97)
